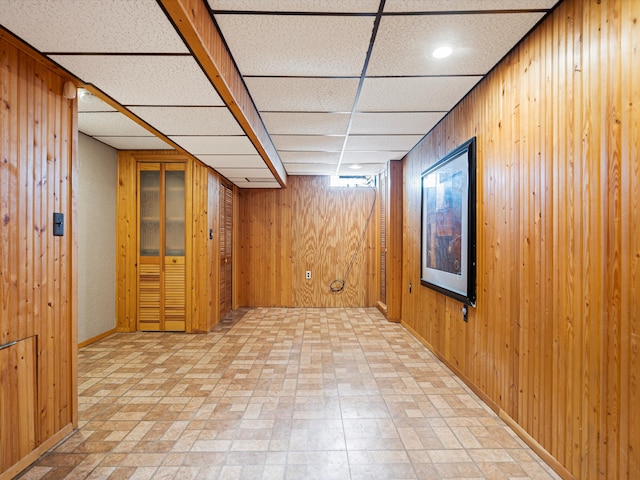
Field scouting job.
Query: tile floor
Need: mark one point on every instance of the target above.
(281, 394)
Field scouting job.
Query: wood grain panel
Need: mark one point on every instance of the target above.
(18, 436)
(199, 320)
(38, 274)
(308, 226)
(390, 244)
(213, 259)
(553, 339)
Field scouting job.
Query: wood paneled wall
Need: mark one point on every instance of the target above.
(38, 272)
(391, 258)
(307, 226)
(553, 342)
(201, 253)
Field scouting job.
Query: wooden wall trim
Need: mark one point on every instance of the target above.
(72, 240)
(193, 20)
(48, 444)
(97, 338)
(529, 440)
(536, 447)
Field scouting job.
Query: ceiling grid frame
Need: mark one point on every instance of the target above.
(346, 83)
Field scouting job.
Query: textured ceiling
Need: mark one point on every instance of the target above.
(336, 83)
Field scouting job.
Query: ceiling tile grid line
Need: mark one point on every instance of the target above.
(382, 91)
(335, 82)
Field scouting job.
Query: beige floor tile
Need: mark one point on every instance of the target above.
(281, 394)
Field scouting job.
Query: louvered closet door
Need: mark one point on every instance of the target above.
(149, 235)
(226, 239)
(161, 256)
(174, 249)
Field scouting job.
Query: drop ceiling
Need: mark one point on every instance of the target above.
(335, 83)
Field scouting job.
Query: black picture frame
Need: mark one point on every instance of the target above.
(448, 227)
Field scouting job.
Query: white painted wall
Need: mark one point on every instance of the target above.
(97, 180)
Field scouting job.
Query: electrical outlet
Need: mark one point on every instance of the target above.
(308, 275)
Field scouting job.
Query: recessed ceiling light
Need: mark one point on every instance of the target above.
(355, 166)
(442, 52)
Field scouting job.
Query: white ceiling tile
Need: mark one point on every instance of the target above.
(343, 6)
(239, 145)
(372, 157)
(306, 123)
(414, 94)
(310, 169)
(110, 124)
(95, 26)
(330, 158)
(303, 94)
(464, 5)
(395, 123)
(367, 169)
(190, 120)
(261, 173)
(135, 143)
(308, 142)
(382, 142)
(144, 80)
(297, 45)
(405, 43)
(88, 102)
(256, 183)
(232, 161)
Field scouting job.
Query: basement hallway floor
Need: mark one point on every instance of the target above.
(281, 394)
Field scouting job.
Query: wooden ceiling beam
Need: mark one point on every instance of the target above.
(193, 22)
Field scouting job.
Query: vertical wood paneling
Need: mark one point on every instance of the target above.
(199, 320)
(394, 242)
(630, 330)
(390, 205)
(126, 243)
(264, 245)
(38, 276)
(18, 436)
(213, 262)
(307, 226)
(553, 341)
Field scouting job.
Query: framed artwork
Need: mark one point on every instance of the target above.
(448, 239)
